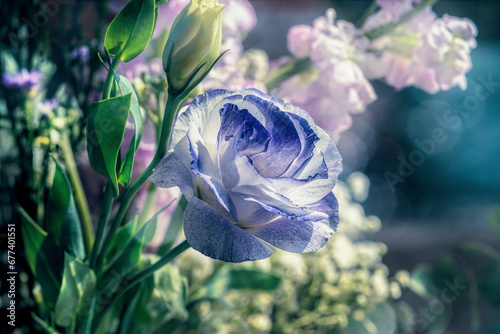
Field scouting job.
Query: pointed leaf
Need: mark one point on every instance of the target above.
(77, 286)
(33, 237)
(106, 127)
(121, 239)
(42, 257)
(131, 254)
(130, 31)
(62, 220)
(173, 228)
(173, 287)
(128, 161)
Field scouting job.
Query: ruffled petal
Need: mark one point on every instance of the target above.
(213, 235)
(299, 236)
(203, 165)
(171, 172)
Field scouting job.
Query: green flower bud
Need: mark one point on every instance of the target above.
(194, 41)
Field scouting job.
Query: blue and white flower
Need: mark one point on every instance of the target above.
(256, 172)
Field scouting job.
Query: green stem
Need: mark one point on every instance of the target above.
(80, 199)
(148, 204)
(87, 322)
(369, 11)
(183, 246)
(286, 71)
(101, 227)
(173, 103)
(97, 256)
(385, 29)
(106, 93)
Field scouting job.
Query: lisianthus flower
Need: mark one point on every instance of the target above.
(256, 172)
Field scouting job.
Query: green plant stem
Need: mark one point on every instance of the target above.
(79, 193)
(177, 250)
(173, 103)
(97, 256)
(286, 71)
(101, 227)
(385, 29)
(106, 93)
(87, 322)
(148, 204)
(369, 11)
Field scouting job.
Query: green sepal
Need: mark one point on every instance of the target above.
(78, 284)
(106, 127)
(130, 31)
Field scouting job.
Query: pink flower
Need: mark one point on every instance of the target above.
(336, 86)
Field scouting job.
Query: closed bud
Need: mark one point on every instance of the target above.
(194, 40)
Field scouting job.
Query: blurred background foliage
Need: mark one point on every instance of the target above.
(439, 233)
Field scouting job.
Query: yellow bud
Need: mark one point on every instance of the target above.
(194, 40)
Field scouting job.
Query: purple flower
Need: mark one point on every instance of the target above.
(47, 106)
(23, 79)
(256, 172)
(80, 53)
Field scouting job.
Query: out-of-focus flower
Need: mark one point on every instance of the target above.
(336, 87)
(425, 52)
(247, 72)
(81, 53)
(47, 106)
(255, 171)
(23, 79)
(193, 41)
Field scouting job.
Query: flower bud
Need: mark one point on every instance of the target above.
(195, 39)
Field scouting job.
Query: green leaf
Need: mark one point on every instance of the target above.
(77, 286)
(157, 45)
(42, 256)
(173, 228)
(121, 239)
(46, 327)
(106, 127)
(62, 220)
(253, 279)
(173, 288)
(161, 2)
(126, 320)
(130, 31)
(33, 237)
(128, 161)
(131, 254)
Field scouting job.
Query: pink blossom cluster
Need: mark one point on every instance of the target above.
(336, 86)
(427, 52)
